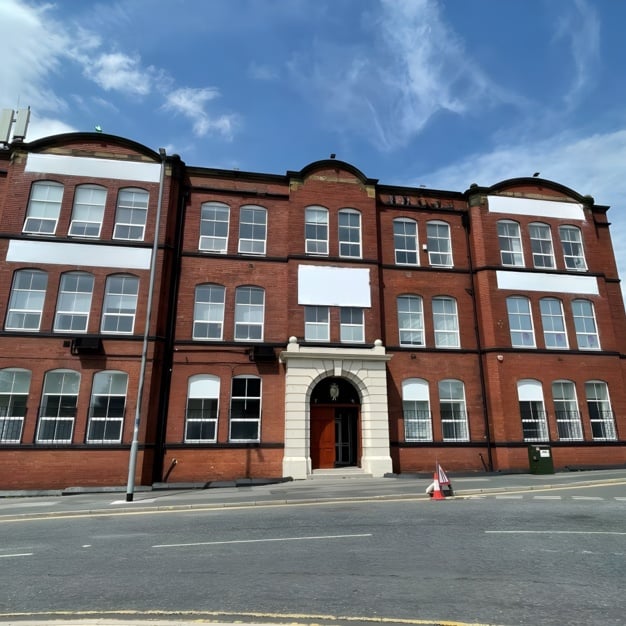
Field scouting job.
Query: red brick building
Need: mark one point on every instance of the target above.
(239, 324)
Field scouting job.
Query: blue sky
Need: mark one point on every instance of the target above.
(412, 92)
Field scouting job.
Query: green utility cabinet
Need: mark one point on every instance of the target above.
(540, 459)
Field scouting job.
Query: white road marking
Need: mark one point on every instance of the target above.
(221, 543)
(146, 501)
(509, 497)
(9, 556)
(547, 497)
(554, 532)
(587, 498)
(14, 505)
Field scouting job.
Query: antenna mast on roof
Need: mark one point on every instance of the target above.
(18, 120)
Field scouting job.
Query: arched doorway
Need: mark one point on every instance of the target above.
(335, 424)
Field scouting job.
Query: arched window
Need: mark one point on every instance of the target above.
(44, 207)
(28, 293)
(349, 233)
(131, 214)
(88, 211)
(120, 304)
(249, 313)
(316, 230)
(57, 412)
(600, 411)
(214, 221)
(416, 410)
(245, 409)
(573, 251)
(510, 241)
(532, 410)
(208, 312)
(14, 387)
(554, 334)
(411, 320)
(446, 322)
(252, 229)
(439, 244)
(452, 410)
(520, 322)
(566, 410)
(541, 245)
(405, 241)
(585, 325)
(107, 407)
(202, 409)
(74, 302)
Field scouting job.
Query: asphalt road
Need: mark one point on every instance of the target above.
(549, 556)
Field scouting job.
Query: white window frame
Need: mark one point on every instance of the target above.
(439, 243)
(351, 325)
(405, 241)
(202, 409)
(214, 227)
(120, 305)
(532, 410)
(587, 336)
(600, 412)
(66, 384)
(553, 323)
(349, 233)
(411, 321)
(446, 322)
(510, 240)
(107, 406)
(566, 412)
(316, 230)
(44, 208)
(208, 312)
(14, 388)
(573, 250)
(249, 313)
(74, 302)
(522, 335)
(25, 301)
(88, 211)
(541, 245)
(252, 229)
(418, 423)
(452, 410)
(316, 323)
(249, 412)
(131, 214)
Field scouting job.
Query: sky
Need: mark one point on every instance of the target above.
(439, 93)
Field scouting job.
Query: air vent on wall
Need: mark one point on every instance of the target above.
(262, 354)
(86, 345)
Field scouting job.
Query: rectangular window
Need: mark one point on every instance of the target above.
(573, 252)
(44, 207)
(14, 386)
(416, 410)
(452, 409)
(520, 322)
(58, 407)
(202, 409)
(88, 211)
(566, 410)
(351, 328)
(214, 221)
(446, 323)
(107, 407)
(28, 293)
(249, 313)
(510, 241)
(439, 244)
(350, 233)
(585, 325)
(131, 214)
(411, 321)
(553, 323)
(245, 409)
(405, 241)
(316, 230)
(208, 312)
(600, 412)
(316, 323)
(252, 230)
(74, 303)
(541, 246)
(120, 304)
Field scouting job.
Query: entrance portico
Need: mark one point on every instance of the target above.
(365, 369)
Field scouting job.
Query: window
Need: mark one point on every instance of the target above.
(452, 409)
(202, 409)
(439, 245)
(88, 211)
(252, 230)
(120, 304)
(245, 409)
(585, 325)
(446, 322)
(553, 323)
(572, 244)
(44, 207)
(532, 410)
(351, 328)
(411, 320)
(28, 293)
(316, 230)
(541, 246)
(107, 407)
(208, 312)
(74, 302)
(131, 214)
(316, 326)
(600, 412)
(249, 313)
(214, 220)
(58, 407)
(520, 322)
(405, 241)
(416, 410)
(510, 241)
(566, 410)
(14, 386)
(350, 233)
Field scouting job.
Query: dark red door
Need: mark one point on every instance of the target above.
(322, 437)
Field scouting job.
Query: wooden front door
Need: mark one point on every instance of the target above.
(322, 437)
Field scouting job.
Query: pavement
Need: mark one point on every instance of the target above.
(332, 486)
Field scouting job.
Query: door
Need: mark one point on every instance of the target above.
(345, 436)
(322, 437)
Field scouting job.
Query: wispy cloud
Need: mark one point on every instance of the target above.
(120, 72)
(259, 71)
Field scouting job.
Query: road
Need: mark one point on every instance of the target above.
(548, 557)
